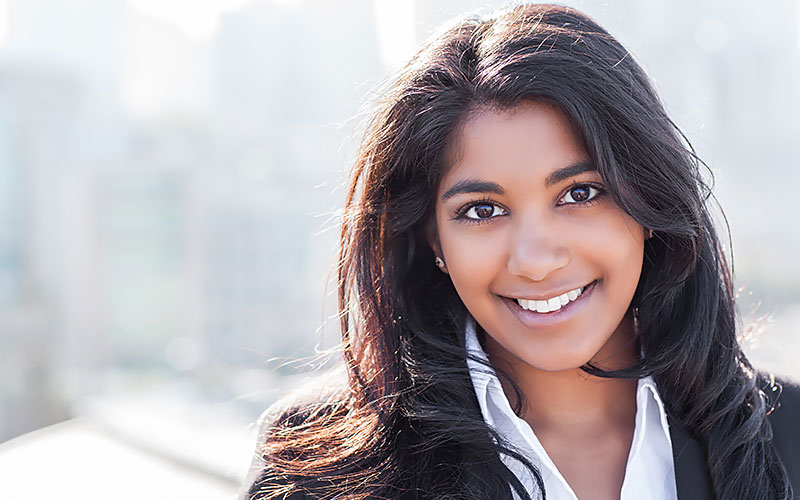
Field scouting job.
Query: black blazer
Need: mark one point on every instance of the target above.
(691, 469)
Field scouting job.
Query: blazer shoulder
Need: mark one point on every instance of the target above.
(783, 394)
(323, 395)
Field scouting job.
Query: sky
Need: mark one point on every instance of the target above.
(197, 18)
(3, 21)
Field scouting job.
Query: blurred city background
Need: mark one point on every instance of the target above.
(170, 175)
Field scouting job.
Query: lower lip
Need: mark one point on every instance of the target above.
(536, 319)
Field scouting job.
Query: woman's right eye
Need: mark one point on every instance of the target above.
(482, 211)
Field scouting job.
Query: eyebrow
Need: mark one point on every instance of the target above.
(477, 186)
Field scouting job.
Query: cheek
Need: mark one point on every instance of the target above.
(615, 244)
(473, 259)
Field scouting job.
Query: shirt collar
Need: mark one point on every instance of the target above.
(652, 428)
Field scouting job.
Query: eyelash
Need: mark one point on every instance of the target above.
(460, 214)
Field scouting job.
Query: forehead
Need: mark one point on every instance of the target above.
(533, 137)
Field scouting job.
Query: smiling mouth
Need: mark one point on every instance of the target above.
(553, 305)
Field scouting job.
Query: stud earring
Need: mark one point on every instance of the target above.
(439, 262)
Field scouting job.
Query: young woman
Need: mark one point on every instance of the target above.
(533, 297)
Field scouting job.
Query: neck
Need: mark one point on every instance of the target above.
(573, 398)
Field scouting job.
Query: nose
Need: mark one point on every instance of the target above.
(536, 252)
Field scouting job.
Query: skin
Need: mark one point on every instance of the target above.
(535, 240)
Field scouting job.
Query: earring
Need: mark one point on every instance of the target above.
(439, 262)
(649, 234)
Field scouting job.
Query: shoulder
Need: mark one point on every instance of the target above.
(324, 395)
(787, 392)
(784, 395)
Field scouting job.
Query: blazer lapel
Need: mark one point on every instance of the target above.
(692, 477)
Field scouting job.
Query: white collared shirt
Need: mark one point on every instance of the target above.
(649, 473)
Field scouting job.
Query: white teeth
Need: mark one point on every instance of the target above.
(554, 304)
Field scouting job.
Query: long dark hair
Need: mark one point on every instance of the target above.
(408, 425)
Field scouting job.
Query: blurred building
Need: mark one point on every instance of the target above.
(37, 111)
(284, 92)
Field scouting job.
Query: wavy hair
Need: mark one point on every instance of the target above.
(408, 425)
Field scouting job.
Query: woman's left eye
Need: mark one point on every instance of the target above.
(580, 193)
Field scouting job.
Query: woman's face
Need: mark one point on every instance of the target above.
(524, 226)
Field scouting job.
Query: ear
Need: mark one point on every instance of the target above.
(432, 236)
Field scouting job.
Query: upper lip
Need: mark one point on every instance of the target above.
(546, 295)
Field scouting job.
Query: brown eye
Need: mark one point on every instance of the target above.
(483, 211)
(579, 194)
